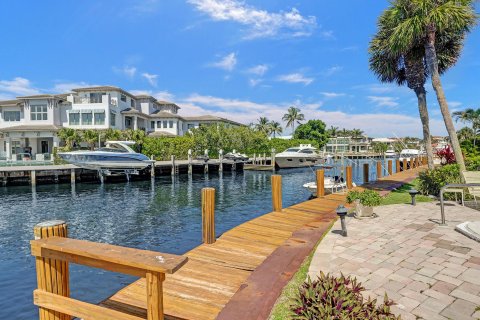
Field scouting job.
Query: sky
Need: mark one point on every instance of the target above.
(238, 59)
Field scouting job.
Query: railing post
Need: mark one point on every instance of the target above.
(155, 295)
(320, 183)
(208, 215)
(379, 170)
(349, 177)
(52, 275)
(404, 167)
(365, 173)
(390, 168)
(277, 193)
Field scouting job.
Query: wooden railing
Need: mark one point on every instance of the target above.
(53, 252)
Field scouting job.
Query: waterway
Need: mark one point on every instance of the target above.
(162, 215)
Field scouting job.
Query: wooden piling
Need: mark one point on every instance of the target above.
(264, 159)
(320, 183)
(72, 176)
(379, 170)
(208, 215)
(365, 173)
(349, 177)
(52, 275)
(220, 159)
(277, 193)
(404, 167)
(33, 178)
(152, 168)
(173, 164)
(390, 167)
(190, 161)
(412, 163)
(397, 165)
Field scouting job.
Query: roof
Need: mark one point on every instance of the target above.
(45, 127)
(165, 114)
(10, 102)
(161, 134)
(210, 118)
(103, 88)
(145, 96)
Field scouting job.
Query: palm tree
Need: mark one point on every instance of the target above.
(333, 131)
(275, 127)
(356, 133)
(424, 22)
(263, 125)
(69, 136)
(113, 134)
(465, 133)
(90, 137)
(471, 116)
(293, 115)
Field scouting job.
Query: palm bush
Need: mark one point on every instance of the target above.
(431, 181)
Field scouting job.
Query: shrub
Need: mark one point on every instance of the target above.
(368, 198)
(473, 163)
(431, 181)
(331, 297)
(446, 155)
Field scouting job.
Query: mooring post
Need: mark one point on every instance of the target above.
(397, 166)
(172, 159)
(349, 177)
(366, 173)
(264, 158)
(390, 167)
(379, 170)
(152, 169)
(254, 159)
(208, 215)
(190, 161)
(220, 158)
(205, 169)
(52, 275)
(320, 183)
(33, 178)
(412, 163)
(273, 159)
(404, 167)
(277, 193)
(72, 176)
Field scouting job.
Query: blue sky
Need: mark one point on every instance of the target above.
(235, 59)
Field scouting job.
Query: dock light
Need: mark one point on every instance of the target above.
(342, 212)
(413, 193)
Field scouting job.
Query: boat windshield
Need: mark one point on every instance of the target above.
(113, 148)
(292, 150)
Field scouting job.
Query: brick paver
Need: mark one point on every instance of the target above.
(430, 271)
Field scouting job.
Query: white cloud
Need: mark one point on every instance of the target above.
(383, 101)
(296, 78)
(332, 70)
(454, 104)
(65, 87)
(254, 82)
(332, 95)
(259, 70)
(227, 63)
(9, 89)
(126, 70)
(259, 23)
(151, 78)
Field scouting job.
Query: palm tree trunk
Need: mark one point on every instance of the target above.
(432, 62)
(422, 109)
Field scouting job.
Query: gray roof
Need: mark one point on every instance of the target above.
(161, 134)
(45, 127)
(103, 88)
(210, 118)
(165, 114)
(10, 102)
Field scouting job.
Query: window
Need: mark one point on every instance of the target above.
(96, 97)
(190, 126)
(170, 124)
(74, 119)
(132, 103)
(86, 117)
(152, 124)
(38, 112)
(113, 118)
(16, 147)
(165, 124)
(123, 98)
(159, 124)
(99, 118)
(128, 122)
(11, 115)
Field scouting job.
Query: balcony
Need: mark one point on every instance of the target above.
(89, 100)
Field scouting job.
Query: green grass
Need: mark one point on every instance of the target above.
(401, 195)
(281, 309)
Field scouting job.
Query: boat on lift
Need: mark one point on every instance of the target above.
(116, 156)
(298, 157)
(390, 153)
(332, 183)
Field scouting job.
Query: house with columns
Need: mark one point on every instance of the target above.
(29, 124)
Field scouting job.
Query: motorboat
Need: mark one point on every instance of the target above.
(115, 156)
(408, 154)
(390, 153)
(236, 156)
(303, 156)
(332, 183)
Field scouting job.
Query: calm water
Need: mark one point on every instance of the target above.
(162, 215)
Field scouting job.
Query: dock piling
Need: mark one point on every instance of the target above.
(320, 183)
(349, 177)
(173, 164)
(366, 173)
(390, 167)
(205, 169)
(52, 275)
(379, 170)
(404, 167)
(397, 166)
(72, 176)
(220, 159)
(412, 163)
(33, 178)
(277, 193)
(208, 215)
(152, 169)
(190, 161)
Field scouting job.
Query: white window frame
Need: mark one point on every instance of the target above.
(12, 115)
(39, 112)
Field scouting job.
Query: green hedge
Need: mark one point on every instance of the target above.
(431, 181)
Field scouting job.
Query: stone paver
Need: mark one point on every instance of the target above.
(430, 271)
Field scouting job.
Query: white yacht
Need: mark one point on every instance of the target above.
(390, 153)
(116, 156)
(331, 185)
(303, 156)
(409, 154)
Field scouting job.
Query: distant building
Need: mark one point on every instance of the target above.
(348, 144)
(29, 123)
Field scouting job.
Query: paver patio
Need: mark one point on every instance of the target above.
(430, 271)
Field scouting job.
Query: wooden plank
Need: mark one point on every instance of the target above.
(113, 258)
(154, 291)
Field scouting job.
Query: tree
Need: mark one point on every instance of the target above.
(69, 136)
(356, 133)
(312, 130)
(263, 125)
(380, 147)
(275, 127)
(333, 131)
(471, 116)
(293, 115)
(424, 22)
(465, 134)
(113, 134)
(90, 137)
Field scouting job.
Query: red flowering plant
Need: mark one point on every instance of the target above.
(446, 155)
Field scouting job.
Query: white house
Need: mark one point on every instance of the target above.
(29, 124)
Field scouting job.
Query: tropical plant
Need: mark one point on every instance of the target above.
(446, 155)
(69, 136)
(333, 131)
(380, 147)
(431, 181)
(112, 134)
(275, 128)
(368, 198)
(90, 137)
(293, 115)
(471, 116)
(263, 125)
(356, 133)
(312, 130)
(330, 297)
(465, 134)
(425, 22)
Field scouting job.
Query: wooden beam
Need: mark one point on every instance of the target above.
(320, 183)
(208, 215)
(365, 173)
(277, 193)
(379, 170)
(349, 177)
(390, 167)
(155, 295)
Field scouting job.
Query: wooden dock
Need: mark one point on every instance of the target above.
(241, 275)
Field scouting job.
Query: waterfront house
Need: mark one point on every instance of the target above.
(361, 144)
(28, 124)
